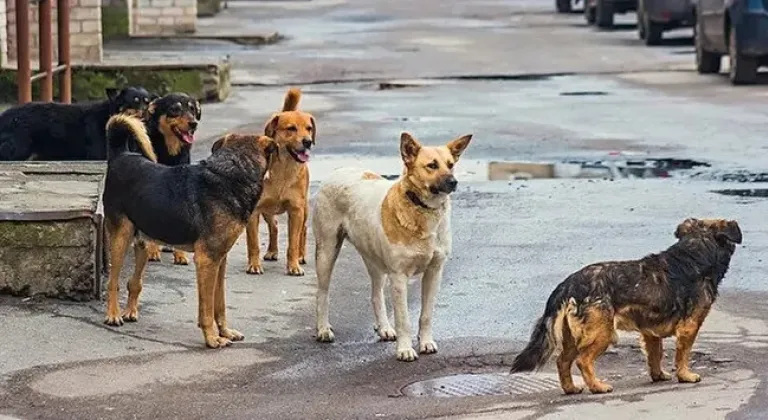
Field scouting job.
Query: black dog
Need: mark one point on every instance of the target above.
(171, 123)
(202, 208)
(54, 131)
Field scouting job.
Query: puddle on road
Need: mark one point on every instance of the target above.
(744, 192)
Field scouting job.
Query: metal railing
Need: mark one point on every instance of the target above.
(24, 77)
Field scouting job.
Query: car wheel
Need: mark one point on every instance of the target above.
(563, 6)
(604, 14)
(743, 69)
(589, 13)
(654, 31)
(706, 62)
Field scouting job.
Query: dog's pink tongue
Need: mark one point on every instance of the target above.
(303, 156)
(188, 138)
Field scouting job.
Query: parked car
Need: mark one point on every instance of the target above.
(600, 12)
(565, 6)
(656, 16)
(738, 28)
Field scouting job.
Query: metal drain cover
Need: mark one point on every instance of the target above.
(482, 385)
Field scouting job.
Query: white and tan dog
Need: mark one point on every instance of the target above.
(401, 229)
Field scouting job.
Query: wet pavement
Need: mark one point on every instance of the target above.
(531, 86)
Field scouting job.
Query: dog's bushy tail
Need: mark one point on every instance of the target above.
(122, 129)
(547, 335)
(292, 99)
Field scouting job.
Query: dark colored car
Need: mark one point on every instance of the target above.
(600, 12)
(656, 16)
(565, 6)
(738, 28)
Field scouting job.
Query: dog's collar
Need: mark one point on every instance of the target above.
(416, 200)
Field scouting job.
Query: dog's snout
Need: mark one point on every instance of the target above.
(449, 184)
(307, 142)
(193, 125)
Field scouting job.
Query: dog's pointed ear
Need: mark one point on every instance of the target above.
(153, 96)
(730, 231)
(111, 93)
(271, 127)
(218, 143)
(409, 148)
(314, 129)
(457, 146)
(198, 110)
(686, 227)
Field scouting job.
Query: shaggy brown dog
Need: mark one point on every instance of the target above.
(661, 295)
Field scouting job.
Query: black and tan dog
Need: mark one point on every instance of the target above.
(202, 208)
(287, 190)
(661, 295)
(55, 131)
(171, 123)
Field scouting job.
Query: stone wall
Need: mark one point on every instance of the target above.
(85, 31)
(163, 17)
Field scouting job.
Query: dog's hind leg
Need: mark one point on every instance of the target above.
(596, 336)
(252, 238)
(654, 354)
(180, 257)
(131, 312)
(271, 254)
(303, 238)
(381, 322)
(220, 305)
(430, 285)
(565, 361)
(399, 285)
(120, 233)
(296, 219)
(153, 251)
(328, 241)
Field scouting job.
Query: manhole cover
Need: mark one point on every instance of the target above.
(480, 385)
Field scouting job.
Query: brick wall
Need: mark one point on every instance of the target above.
(163, 17)
(84, 26)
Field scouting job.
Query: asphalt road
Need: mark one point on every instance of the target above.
(513, 241)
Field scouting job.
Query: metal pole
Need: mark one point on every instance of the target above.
(65, 77)
(24, 71)
(46, 49)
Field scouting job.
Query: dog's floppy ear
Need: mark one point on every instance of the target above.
(409, 148)
(271, 127)
(111, 93)
(314, 129)
(457, 146)
(730, 231)
(218, 143)
(198, 110)
(686, 227)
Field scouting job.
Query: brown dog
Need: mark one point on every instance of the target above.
(287, 188)
(661, 295)
(201, 208)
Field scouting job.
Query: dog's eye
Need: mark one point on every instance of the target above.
(146, 100)
(432, 165)
(450, 165)
(137, 100)
(309, 128)
(291, 128)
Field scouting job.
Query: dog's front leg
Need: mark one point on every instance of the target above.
(430, 285)
(399, 285)
(252, 239)
(207, 277)
(295, 222)
(153, 251)
(220, 305)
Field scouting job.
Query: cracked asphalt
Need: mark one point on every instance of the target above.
(515, 75)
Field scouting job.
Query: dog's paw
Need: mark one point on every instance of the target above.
(214, 342)
(573, 390)
(325, 335)
(180, 259)
(270, 256)
(130, 315)
(114, 319)
(387, 333)
(153, 255)
(688, 377)
(600, 388)
(407, 355)
(231, 334)
(660, 377)
(428, 347)
(254, 269)
(295, 270)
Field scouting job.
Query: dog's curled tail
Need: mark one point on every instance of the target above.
(123, 129)
(547, 335)
(292, 99)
